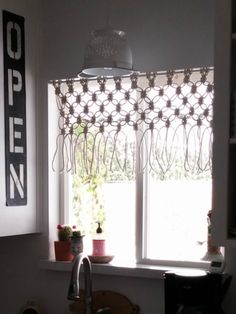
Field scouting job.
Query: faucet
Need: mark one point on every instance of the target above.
(73, 292)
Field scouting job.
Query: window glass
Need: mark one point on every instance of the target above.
(177, 218)
(109, 199)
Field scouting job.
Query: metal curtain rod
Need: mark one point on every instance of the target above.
(140, 74)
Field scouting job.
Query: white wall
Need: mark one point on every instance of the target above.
(163, 35)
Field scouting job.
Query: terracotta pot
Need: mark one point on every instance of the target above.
(63, 251)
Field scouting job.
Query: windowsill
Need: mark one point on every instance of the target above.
(134, 270)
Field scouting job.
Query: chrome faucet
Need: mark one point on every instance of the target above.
(73, 292)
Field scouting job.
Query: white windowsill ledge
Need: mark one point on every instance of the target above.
(136, 270)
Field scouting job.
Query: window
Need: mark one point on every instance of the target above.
(150, 183)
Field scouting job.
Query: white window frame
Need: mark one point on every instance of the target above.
(141, 231)
(140, 223)
(140, 220)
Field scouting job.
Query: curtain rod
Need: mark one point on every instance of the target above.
(140, 74)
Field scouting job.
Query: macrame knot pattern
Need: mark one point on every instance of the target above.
(147, 120)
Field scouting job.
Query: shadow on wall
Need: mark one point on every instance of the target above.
(19, 256)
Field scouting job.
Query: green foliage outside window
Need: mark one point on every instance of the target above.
(88, 202)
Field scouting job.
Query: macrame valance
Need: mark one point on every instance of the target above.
(154, 120)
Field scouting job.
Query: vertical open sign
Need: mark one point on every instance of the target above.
(15, 109)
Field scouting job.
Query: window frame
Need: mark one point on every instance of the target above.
(141, 200)
(141, 231)
(140, 222)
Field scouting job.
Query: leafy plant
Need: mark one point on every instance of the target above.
(88, 204)
(76, 234)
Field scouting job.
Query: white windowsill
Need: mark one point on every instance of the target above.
(135, 270)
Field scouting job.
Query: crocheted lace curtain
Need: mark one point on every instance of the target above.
(155, 120)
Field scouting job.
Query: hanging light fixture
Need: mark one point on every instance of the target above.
(107, 54)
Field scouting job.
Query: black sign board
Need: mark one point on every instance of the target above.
(15, 109)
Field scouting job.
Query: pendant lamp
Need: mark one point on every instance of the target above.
(107, 54)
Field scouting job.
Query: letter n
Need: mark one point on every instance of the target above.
(16, 181)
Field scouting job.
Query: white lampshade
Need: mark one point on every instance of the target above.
(107, 54)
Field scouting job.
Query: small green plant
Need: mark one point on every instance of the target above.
(76, 234)
(64, 232)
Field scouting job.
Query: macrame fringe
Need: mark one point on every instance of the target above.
(156, 120)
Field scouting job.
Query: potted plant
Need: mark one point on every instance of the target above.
(76, 242)
(63, 245)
